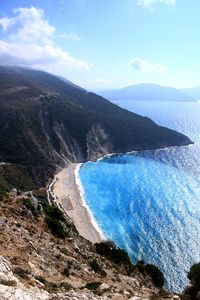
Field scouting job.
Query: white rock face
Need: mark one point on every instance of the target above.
(11, 288)
(19, 293)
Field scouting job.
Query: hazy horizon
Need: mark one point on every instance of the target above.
(104, 45)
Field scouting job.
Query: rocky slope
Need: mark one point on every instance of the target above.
(45, 121)
(37, 265)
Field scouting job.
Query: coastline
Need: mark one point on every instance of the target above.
(67, 192)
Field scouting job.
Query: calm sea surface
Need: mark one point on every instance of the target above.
(148, 202)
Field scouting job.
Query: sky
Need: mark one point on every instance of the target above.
(105, 44)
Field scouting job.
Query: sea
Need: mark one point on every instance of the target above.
(148, 202)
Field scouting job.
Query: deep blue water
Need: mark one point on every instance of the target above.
(148, 202)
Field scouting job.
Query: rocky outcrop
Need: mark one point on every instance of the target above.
(98, 143)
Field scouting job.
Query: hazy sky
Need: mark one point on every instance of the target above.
(102, 44)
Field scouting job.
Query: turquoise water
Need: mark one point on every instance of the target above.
(148, 202)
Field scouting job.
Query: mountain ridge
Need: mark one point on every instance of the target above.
(46, 122)
(152, 92)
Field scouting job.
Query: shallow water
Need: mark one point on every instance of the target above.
(147, 202)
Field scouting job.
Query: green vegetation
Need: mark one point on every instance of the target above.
(156, 275)
(59, 225)
(192, 291)
(141, 266)
(194, 274)
(29, 121)
(97, 268)
(27, 202)
(52, 211)
(40, 194)
(55, 218)
(17, 176)
(153, 271)
(114, 254)
(8, 282)
(56, 227)
(4, 187)
(53, 286)
(21, 272)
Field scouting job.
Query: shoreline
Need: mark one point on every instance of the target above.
(67, 192)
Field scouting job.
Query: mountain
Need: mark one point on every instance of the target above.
(70, 83)
(193, 93)
(45, 122)
(147, 92)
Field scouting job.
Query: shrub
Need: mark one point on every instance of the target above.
(194, 274)
(21, 272)
(53, 212)
(41, 194)
(95, 266)
(54, 218)
(141, 266)
(114, 254)
(8, 282)
(66, 272)
(29, 205)
(92, 285)
(156, 275)
(56, 227)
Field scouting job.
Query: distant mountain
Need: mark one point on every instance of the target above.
(147, 92)
(193, 93)
(46, 121)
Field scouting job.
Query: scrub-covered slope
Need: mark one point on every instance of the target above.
(45, 121)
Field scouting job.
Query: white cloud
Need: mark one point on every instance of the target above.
(151, 3)
(31, 25)
(70, 36)
(5, 23)
(30, 42)
(35, 55)
(143, 65)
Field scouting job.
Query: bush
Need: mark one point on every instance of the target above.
(29, 205)
(92, 285)
(141, 266)
(194, 275)
(54, 219)
(114, 254)
(21, 272)
(53, 212)
(56, 227)
(66, 272)
(97, 268)
(156, 275)
(40, 194)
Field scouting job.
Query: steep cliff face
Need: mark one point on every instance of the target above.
(45, 122)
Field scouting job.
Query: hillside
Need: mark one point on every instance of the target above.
(45, 122)
(38, 264)
(148, 92)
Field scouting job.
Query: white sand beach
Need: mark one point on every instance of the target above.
(66, 193)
